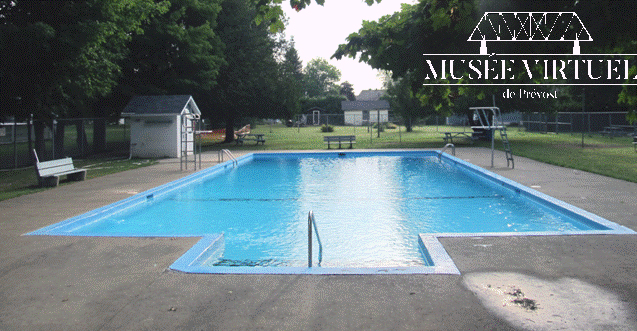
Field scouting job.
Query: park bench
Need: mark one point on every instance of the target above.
(635, 141)
(340, 139)
(617, 130)
(49, 172)
(259, 138)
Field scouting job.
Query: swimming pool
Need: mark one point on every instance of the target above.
(375, 211)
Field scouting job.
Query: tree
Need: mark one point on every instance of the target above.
(247, 82)
(397, 42)
(290, 81)
(179, 53)
(270, 12)
(347, 89)
(404, 101)
(320, 78)
(60, 55)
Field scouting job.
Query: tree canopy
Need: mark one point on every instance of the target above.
(320, 78)
(290, 87)
(87, 58)
(246, 84)
(347, 90)
(180, 52)
(58, 55)
(398, 42)
(270, 12)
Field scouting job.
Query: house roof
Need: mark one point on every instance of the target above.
(160, 105)
(370, 95)
(365, 105)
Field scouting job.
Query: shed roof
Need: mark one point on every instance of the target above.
(365, 105)
(160, 105)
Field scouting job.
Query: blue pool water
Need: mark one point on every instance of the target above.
(370, 209)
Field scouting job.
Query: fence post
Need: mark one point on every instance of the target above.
(583, 110)
(82, 134)
(53, 133)
(15, 144)
(378, 123)
(546, 123)
(30, 132)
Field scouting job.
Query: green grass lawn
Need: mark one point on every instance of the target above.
(18, 182)
(613, 157)
(602, 155)
(280, 137)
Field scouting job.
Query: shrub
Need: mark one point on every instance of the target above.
(385, 126)
(327, 128)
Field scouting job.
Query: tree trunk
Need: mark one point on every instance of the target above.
(229, 130)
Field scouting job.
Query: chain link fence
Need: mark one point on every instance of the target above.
(612, 124)
(78, 138)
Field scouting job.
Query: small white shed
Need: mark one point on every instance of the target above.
(365, 112)
(367, 108)
(161, 126)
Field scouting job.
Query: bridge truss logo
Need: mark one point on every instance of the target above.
(574, 68)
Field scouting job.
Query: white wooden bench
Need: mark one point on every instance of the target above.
(49, 172)
(333, 139)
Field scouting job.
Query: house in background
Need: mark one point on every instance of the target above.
(368, 108)
(162, 126)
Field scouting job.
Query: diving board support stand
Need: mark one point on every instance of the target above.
(190, 141)
(490, 118)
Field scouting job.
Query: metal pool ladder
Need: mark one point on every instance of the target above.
(227, 152)
(453, 151)
(310, 222)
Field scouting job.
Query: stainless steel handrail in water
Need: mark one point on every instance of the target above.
(453, 151)
(311, 222)
(227, 152)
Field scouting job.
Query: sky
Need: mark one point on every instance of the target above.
(318, 30)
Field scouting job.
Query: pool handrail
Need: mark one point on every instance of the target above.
(453, 151)
(310, 222)
(227, 152)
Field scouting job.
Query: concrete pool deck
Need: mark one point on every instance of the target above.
(97, 283)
